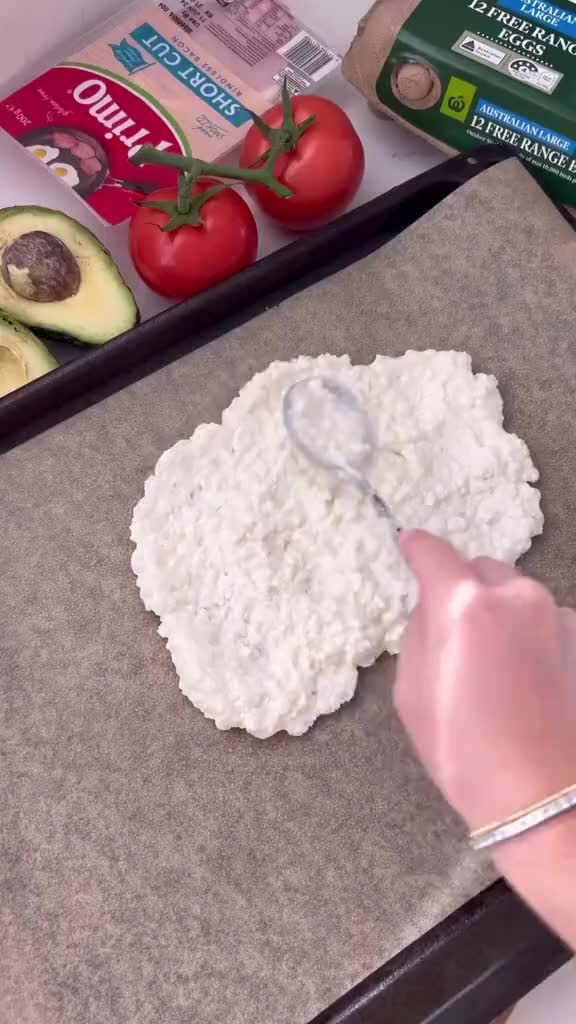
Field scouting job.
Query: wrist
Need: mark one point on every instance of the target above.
(540, 866)
(516, 785)
(553, 840)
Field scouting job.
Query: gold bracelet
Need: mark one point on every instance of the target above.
(524, 821)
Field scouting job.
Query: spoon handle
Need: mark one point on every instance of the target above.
(381, 507)
(383, 510)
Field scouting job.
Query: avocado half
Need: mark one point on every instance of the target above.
(23, 357)
(56, 276)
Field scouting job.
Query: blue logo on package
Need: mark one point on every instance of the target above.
(129, 57)
(191, 75)
(548, 14)
(530, 128)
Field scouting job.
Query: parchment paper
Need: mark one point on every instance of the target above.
(153, 870)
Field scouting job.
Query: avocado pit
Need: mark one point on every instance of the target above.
(39, 267)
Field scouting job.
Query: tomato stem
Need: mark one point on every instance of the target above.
(194, 169)
(184, 201)
(285, 138)
(186, 210)
(261, 172)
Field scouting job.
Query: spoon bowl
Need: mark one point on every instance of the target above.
(328, 424)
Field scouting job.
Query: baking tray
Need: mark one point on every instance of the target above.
(472, 967)
(492, 951)
(91, 373)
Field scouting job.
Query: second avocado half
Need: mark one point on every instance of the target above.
(23, 357)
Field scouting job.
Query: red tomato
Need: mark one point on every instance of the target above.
(190, 259)
(324, 171)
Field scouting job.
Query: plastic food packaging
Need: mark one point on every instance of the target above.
(181, 75)
(464, 72)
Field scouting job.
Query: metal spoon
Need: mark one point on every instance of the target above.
(332, 429)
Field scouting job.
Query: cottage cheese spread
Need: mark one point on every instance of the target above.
(274, 581)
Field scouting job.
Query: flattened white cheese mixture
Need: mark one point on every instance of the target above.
(273, 581)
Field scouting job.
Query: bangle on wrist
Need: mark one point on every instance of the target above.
(525, 820)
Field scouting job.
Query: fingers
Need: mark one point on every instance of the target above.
(483, 589)
(437, 565)
(567, 630)
(492, 573)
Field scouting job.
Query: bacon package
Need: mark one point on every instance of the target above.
(181, 75)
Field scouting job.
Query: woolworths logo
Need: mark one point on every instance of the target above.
(458, 99)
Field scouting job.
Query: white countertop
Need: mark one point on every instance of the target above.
(40, 32)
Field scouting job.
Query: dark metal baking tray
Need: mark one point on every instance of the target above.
(89, 374)
(493, 950)
(473, 966)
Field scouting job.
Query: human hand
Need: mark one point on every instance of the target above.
(486, 683)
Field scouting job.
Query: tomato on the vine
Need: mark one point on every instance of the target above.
(324, 169)
(218, 240)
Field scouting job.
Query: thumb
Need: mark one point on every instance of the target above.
(436, 564)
